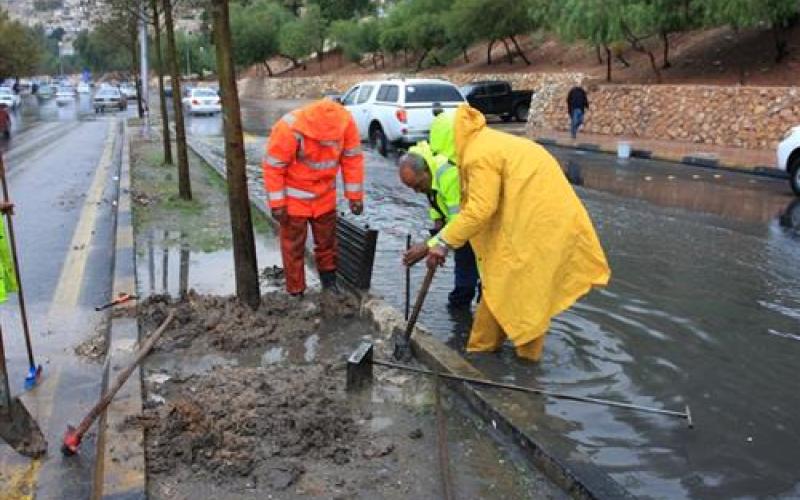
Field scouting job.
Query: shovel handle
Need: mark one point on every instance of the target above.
(423, 292)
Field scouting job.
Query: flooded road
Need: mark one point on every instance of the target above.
(703, 309)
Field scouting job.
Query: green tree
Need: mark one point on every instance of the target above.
(358, 38)
(300, 37)
(595, 21)
(256, 32)
(22, 50)
(777, 15)
(335, 10)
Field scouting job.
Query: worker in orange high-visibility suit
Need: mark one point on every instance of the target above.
(306, 150)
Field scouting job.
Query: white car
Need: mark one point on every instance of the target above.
(398, 111)
(789, 157)
(201, 100)
(129, 90)
(65, 95)
(83, 88)
(9, 98)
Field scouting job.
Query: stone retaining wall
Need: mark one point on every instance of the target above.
(746, 117)
(312, 87)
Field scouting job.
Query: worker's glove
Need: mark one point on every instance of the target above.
(356, 207)
(280, 214)
(6, 208)
(437, 254)
(415, 254)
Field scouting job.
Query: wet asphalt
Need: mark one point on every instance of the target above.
(62, 163)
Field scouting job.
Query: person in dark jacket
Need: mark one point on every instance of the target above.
(577, 102)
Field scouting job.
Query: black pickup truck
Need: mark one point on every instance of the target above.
(497, 98)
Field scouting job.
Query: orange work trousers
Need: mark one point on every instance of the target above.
(293, 247)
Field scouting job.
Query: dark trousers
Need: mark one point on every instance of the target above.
(293, 247)
(576, 119)
(466, 278)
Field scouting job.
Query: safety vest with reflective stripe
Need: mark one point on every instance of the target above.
(306, 150)
(445, 183)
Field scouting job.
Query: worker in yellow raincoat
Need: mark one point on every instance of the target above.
(536, 247)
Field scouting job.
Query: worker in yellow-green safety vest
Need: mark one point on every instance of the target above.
(432, 173)
(8, 278)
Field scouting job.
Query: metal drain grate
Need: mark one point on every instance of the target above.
(356, 253)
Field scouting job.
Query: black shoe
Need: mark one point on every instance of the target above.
(328, 280)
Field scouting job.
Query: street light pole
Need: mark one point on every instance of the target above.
(143, 60)
(60, 60)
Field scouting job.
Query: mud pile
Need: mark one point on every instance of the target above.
(226, 324)
(254, 424)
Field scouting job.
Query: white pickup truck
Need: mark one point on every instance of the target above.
(398, 111)
(789, 157)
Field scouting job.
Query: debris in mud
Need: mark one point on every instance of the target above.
(260, 422)
(273, 275)
(226, 324)
(141, 198)
(94, 348)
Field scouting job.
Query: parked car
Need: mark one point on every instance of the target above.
(398, 111)
(199, 100)
(109, 98)
(128, 90)
(65, 95)
(789, 157)
(498, 98)
(9, 98)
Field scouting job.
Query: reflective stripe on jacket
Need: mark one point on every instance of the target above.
(305, 151)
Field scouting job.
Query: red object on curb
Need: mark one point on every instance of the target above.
(73, 436)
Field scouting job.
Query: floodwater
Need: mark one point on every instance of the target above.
(703, 309)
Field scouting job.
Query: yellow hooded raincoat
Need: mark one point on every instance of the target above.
(534, 241)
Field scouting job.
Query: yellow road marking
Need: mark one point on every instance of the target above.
(69, 283)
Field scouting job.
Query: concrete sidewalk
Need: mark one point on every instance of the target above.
(759, 161)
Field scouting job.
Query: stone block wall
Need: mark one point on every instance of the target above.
(746, 117)
(737, 116)
(313, 87)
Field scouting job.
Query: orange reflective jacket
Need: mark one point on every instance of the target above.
(304, 152)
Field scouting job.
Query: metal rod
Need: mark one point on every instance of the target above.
(408, 278)
(544, 392)
(12, 239)
(444, 453)
(5, 391)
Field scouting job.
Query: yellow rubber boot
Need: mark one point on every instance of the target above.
(532, 351)
(486, 334)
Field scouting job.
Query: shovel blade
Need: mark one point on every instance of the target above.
(402, 347)
(21, 432)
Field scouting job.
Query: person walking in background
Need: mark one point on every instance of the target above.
(577, 102)
(306, 150)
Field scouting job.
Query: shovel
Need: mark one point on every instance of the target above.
(17, 426)
(402, 340)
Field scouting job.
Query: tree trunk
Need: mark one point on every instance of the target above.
(405, 58)
(319, 57)
(244, 247)
(136, 79)
(608, 62)
(184, 183)
(597, 53)
(421, 59)
(519, 51)
(665, 39)
(654, 65)
(489, 52)
(509, 55)
(466, 57)
(165, 132)
(268, 68)
(781, 46)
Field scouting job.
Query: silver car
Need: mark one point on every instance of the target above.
(109, 98)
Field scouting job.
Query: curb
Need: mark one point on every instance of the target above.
(120, 469)
(568, 469)
(704, 161)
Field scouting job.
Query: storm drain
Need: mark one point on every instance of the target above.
(356, 253)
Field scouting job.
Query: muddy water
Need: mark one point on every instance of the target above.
(703, 308)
